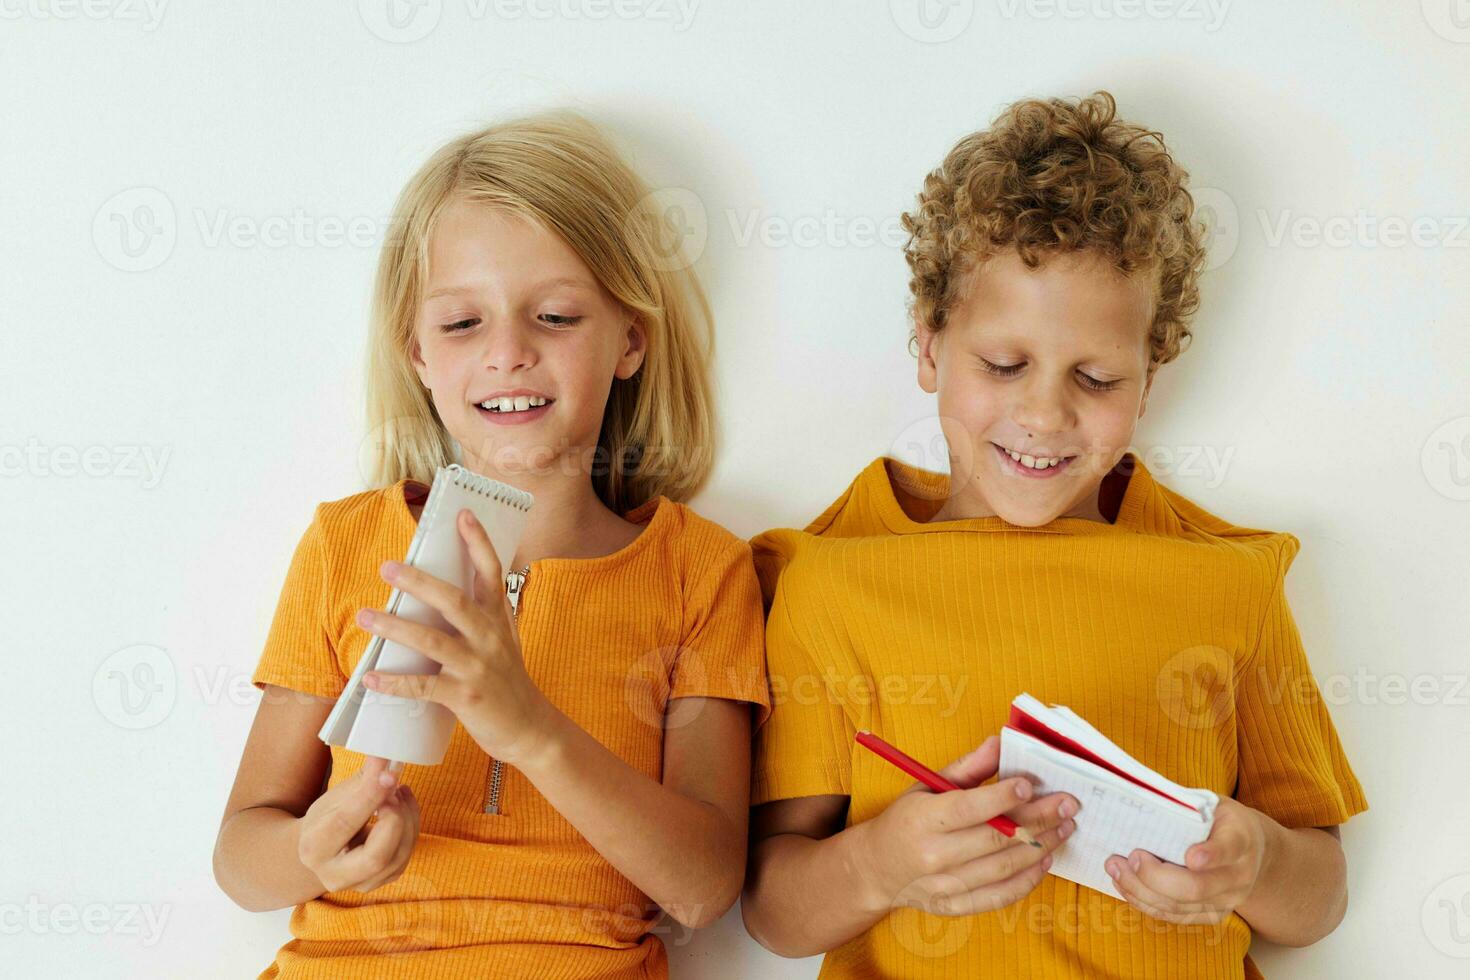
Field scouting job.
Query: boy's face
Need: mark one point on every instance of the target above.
(511, 313)
(1051, 362)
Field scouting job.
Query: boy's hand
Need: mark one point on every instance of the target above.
(934, 851)
(335, 842)
(1219, 874)
(482, 676)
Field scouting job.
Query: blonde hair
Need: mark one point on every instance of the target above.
(556, 169)
(1057, 176)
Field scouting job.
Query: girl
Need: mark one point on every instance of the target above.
(526, 323)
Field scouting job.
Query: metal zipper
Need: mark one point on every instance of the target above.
(514, 583)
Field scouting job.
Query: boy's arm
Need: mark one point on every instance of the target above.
(804, 893)
(1289, 884)
(1301, 894)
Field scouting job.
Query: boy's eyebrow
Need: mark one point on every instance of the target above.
(543, 284)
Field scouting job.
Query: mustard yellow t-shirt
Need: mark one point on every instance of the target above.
(1168, 630)
(610, 640)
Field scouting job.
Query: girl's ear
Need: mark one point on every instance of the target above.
(926, 341)
(415, 355)
(634, 349)
(1148, 384)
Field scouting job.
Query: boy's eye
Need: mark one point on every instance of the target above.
(1008, 370)
(559, 320)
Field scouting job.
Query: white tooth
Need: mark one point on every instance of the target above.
(1028, 461)
(522, 403)
(537, 402)
(505, 404)
(1013, 455)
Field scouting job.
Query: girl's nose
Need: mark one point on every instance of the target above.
(507, 348)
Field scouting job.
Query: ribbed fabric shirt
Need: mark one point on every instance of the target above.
(610, 640)
(1167, 629)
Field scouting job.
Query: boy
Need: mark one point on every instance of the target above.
(1053, 270)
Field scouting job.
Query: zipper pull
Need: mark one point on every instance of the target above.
(514, 581)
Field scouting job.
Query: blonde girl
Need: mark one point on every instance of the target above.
(529, 323)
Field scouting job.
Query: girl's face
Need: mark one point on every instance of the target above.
(1051, 362)
(514, 320)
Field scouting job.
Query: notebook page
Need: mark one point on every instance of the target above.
(1066, 722)
(1116, 817)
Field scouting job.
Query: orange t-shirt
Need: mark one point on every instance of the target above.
(610, 640)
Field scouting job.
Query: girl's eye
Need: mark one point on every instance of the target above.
(460, 325)
(557, 320)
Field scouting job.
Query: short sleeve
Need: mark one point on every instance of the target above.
(805, 746)
(722, 653)
(1292, 765)
(299, 653)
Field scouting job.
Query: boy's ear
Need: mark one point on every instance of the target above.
(1148, 384)
(927, 340)
(634, 349)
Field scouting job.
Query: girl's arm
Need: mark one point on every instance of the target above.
(682, 841)
(258, 853)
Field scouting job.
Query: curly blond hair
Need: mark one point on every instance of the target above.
(1058, 176)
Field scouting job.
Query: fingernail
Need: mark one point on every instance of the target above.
(364, 617)
(1113, 869)
(1023, 789)
(370, 680)
(1065, 830)
(1134, 862)
(386, 779)
(1046, 863)
(390, 568)
(1202, 858)
(1067, 808)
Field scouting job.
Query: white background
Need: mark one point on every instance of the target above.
(174, 283)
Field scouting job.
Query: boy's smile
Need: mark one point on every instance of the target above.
(1042, 375)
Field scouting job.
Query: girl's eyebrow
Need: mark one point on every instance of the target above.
(543, 284)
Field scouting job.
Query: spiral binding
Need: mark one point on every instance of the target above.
(486, 487)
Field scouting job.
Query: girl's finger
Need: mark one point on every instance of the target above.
(1137, 893)
(435, 644)
(438, 688)
(453, 603)
(999, 894)
(362, 864)
(489, 588)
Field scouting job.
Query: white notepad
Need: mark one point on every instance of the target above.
(1125, 805)
(404, 729)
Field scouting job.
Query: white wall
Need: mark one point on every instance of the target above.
(1330, 378)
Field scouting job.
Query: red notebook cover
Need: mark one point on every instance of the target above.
(1022, 722)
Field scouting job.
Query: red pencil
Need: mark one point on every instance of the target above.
(937, 783)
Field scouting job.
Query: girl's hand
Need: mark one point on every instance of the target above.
(335, 842)
(482, 677)
(1219, 874)
(934, 851)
